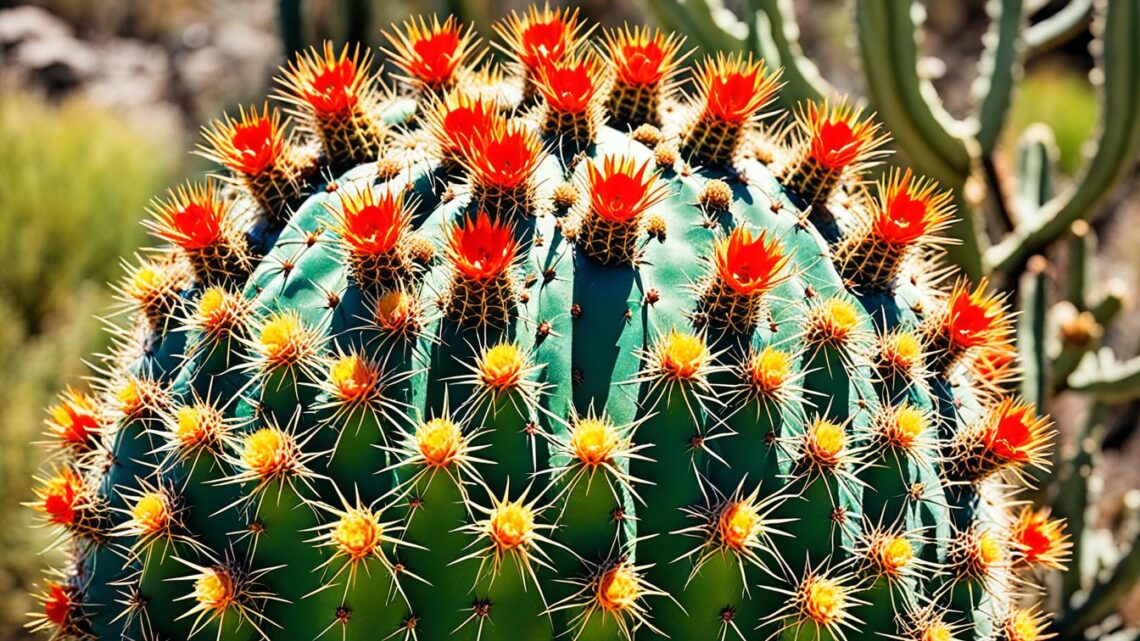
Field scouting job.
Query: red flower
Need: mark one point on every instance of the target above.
(504, 156)
(736, 88)
(458, 118)
(482, 249)
(74, 420)
(642, 58)
(748, 265)
(621, 190)
(540, 37)
(908, 209)
(327, 84)
(431, 53)
(249, 145)
(1039, 539)
(191, 218)
(1014, 433)
(59, 496)
(839, 138)
(569, 86)
(974, 318)
(372, 224)
(57, 604)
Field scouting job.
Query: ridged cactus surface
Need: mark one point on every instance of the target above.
(558, 346)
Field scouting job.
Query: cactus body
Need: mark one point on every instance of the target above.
(567, 356)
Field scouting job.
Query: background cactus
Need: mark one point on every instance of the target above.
(531, 364)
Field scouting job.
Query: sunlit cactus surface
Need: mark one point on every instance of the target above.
(587, 342)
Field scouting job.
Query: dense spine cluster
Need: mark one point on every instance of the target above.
(562, 351)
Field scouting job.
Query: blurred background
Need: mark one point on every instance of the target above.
(100, 101)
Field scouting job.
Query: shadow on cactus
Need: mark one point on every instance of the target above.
(560, 351)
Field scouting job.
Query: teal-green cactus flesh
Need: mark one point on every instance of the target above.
(562, 357)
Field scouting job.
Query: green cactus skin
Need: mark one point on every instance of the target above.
(333, 454)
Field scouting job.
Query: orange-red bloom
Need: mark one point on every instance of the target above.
(74, 420)
(540, 36)
(57, 604)
(839, 136)
(569, 86)
(974, 318)
(249, 145)
(909, 209)
(621, 190)
(1039, 539)
(482, 249)
(431, 53)
(191, 217)
(641, 57)
(1014, 433)
(459, 118)
(328, 83)
(60, 495)
(505, 156)
(372, 224)
(748, 265)
(736, 88)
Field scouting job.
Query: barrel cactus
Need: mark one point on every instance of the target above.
(546, 347)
